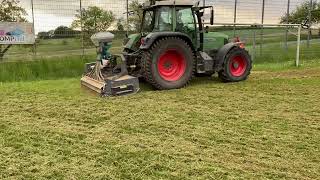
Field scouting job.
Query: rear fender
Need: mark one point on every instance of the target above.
(132, 42)
(221, 55)
(153, 37)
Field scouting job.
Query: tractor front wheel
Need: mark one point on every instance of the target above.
(169, 63)
(236, 66)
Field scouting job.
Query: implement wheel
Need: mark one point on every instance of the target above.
(169, 64)
(237, 66)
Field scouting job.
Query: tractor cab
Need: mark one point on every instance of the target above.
(179, 16)
(168, 17)
(165, 17)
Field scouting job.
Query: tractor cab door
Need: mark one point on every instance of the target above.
(185, 23)
(163, 19)
(157, 20)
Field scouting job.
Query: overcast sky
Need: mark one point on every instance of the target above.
(49, 14)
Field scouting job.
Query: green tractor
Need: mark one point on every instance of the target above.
(172, 47)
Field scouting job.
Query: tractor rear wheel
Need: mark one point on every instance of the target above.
(236, 66)
(169, 63)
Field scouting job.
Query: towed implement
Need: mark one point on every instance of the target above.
(108, 76)
(172, 47)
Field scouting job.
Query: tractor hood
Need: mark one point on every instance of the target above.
(132, 42)
(214, 40)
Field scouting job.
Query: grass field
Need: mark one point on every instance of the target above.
(265, 128)
(48, 68)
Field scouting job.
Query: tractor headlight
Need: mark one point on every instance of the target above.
(143, 41)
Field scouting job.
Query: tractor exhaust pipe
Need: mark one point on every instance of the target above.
(212, 16)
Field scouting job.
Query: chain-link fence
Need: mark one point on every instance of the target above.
(58, 33)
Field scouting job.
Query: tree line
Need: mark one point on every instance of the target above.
(94, 19)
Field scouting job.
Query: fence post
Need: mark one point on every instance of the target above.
(309, 28)
(127, 16)
(287, 29)
(262, 22)
(298, 46)
(254, 45)
(235, 17)
(81, 27)
(34, 31)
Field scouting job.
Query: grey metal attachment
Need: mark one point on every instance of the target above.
(121, 86)
(102, 37)
(121, 83)
(208, 61)
(205, 63)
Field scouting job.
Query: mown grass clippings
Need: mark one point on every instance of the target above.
(263, 128)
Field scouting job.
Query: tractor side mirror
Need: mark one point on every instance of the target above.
(305, 24)
(131, 13)
(201, 14)
(212, 16)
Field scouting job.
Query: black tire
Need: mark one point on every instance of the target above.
(229, 73)
(151, 60)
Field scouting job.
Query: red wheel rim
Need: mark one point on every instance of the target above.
(171, 65)
(238, 66)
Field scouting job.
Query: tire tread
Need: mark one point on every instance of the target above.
(147, 61)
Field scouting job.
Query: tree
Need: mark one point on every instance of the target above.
(120, 25)
(64, 32)
(43, 35)
(93, 19)
(136, 13)
(10, 11)
(51, 34)
(301, 13)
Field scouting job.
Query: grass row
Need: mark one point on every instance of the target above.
(68, 67)
(43, 69)
(273, 55)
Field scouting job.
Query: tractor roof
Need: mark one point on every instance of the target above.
(169, 3)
